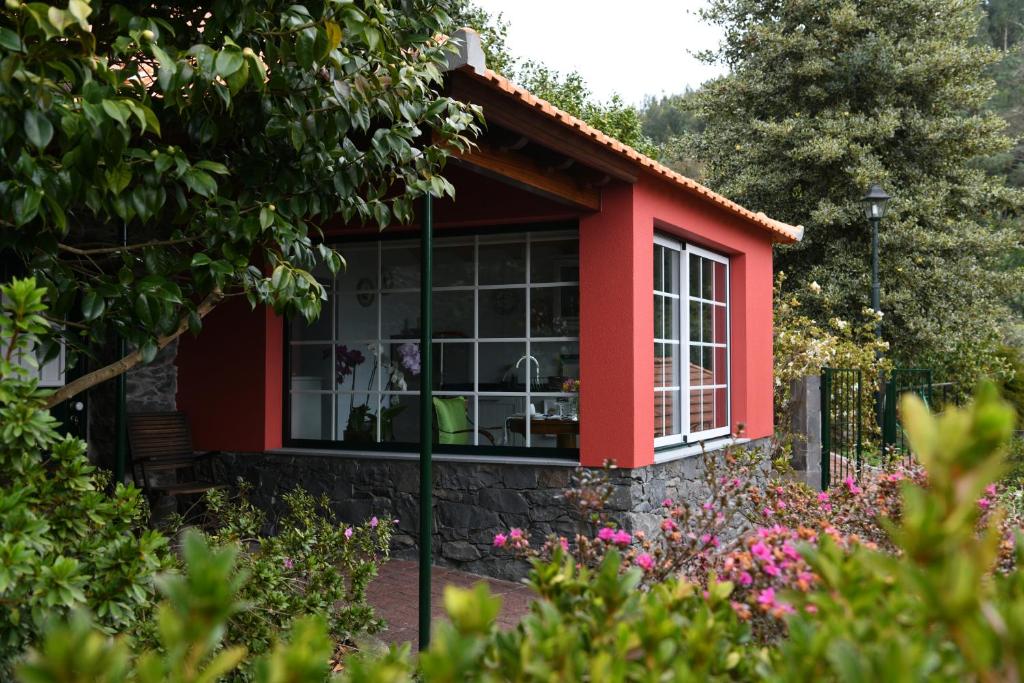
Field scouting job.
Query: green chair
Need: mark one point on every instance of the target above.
(452, 423)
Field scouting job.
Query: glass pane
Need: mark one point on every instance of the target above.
(501, 420)
(659, 316)
(557, 261)
(311, 416)
(453, 265)
(503, 264)
(707, 322)
(671, 318)
(720, 324)
(503, 313)
(707, 365)
(400, 264)
(694, 275)
(659, 270)
(453, 366)
(673, 365)
(695, 411)
(400, 419)
(355, 366)
(674, 413)
(659, 364)
(453, 315)
(311, 368)
(559, 364)
(400, 316)
(661, 402)
(720, 285)
(707, 279)
(721, 367)
(555, 311)
(401, 366)
(318, 330)
(454, 421)
(694, 321)
(560, 429)
(721, 408)
(672, 271)
(696, 376)
(498, 371)
(707, 409)
(357, 418)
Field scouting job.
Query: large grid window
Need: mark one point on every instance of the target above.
(505, 345)
(691, 322)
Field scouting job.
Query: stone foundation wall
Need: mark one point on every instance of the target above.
(473, 501)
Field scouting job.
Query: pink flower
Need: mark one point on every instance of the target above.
(851, 485)
(785, 608)
(622, 538)
(823, 497)
(500, 540)
(288, 564)
(768, 512)
(606, 534)
(707, 506)
(761, 551)
(348, 532)
(374, 522)
(562, 541)
(811, 609)
(766, 597)
(991, 490)
(771, 570)
(746, 579)
(515, 534)
(668, 525)
(984, 503)
(645, 562)
(667, 503)
(790, 551)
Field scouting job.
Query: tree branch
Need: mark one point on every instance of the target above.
(127, 247)
(131, 360)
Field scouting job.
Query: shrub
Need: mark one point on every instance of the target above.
(64, 542)
(191, 647)
(313, 565)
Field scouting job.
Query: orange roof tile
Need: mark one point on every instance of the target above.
(782, 231)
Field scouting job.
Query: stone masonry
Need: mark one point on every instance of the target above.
(473, 501)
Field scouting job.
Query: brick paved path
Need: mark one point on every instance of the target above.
(395, 595)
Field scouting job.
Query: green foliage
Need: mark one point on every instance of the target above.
(64, 542)
(220, 137)
(192, 649)
(826, 97)
(666, 121)
(567, 91)
(313, 565)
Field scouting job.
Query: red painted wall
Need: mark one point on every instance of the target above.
(230, 379)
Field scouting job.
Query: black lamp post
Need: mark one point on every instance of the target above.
(875, 202)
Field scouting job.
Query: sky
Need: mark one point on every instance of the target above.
(643, 51)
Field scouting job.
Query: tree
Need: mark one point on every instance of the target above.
(567, 91)
(824, 98)
(156, 159)
(1004, 22)
(666, 120)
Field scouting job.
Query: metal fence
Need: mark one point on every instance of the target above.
(841, 438)
(902, 381)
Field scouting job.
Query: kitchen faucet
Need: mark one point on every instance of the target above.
(528, 358)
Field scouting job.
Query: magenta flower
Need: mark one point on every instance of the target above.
(991, 490)
(515, 534)
(667, 503)
(746, 579)
(851, 486)
(761, 551)
(984, 503)
(374, 522)
(500, 540)
(771, 570)
(790, 551)
(606, 534)
(823, 497)
(766, 597)
(622, 538)
(669, 525)
(348, 532)
(645, 562)
(562, 541)
(288, 564)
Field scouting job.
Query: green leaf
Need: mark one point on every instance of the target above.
(116, 111)
(200, 182)
(266, 218)
(229, 60)
(200, 259)
(9, 40)
(212, 167)
(93, 305)
(118, 178)
(79, 10)
(38, 128)
(26, 206)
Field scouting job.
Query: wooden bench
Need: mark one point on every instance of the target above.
(162, 443)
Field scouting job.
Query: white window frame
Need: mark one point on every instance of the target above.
(475, 395)
(682, 301)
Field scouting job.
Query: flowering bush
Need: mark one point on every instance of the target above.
(313, 565)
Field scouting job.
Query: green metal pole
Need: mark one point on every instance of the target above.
(121, 419)
(426, 415)
(876, 303)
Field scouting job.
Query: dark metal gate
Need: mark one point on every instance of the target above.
(902, 381)
(841, 405)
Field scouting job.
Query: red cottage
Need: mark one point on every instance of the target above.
(589, 303)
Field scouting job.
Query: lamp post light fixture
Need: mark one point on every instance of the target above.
(876, 203)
